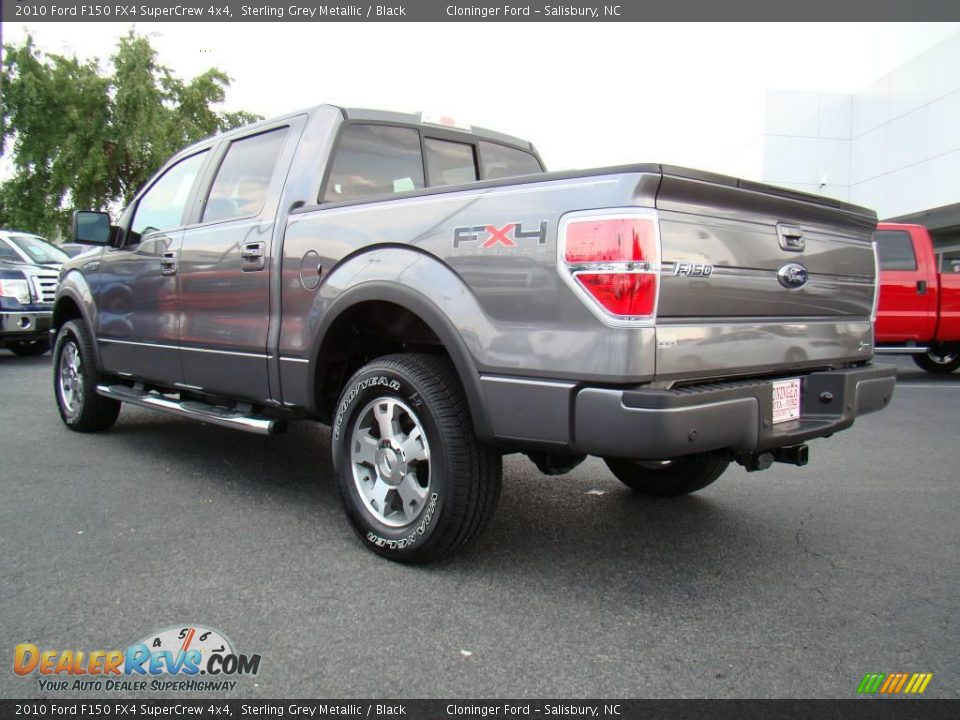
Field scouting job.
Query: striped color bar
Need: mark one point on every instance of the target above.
(894, 683)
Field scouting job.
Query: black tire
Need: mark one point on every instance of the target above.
(421, 393)
(29, 348)
(669, 478)
(88, 412)
(941, 361)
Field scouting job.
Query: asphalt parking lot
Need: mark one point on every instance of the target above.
(787, 583)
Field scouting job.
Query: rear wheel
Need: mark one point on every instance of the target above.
(940, 360)
(669, 478)
(75, 381)
(415, 482)
(29, 348)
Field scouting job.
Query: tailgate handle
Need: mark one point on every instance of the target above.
(790, 237)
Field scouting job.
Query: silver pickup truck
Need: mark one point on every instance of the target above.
(439, 300)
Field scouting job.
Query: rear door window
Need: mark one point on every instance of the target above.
(895, 250)
(374, 160)
(240, 188)
(449, 163)
(500, 161)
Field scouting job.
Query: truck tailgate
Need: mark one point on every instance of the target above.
(756, 279)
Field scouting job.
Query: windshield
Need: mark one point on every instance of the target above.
(39, 250)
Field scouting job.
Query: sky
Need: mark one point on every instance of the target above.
(586, 95)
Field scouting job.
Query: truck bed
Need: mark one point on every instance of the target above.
(518, 316)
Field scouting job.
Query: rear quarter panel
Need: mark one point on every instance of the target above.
(522, 318)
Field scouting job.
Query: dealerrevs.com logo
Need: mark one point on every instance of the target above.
(184, 658)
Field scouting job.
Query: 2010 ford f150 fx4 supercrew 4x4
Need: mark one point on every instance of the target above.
(439, 300)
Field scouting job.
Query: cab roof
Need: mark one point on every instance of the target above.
(380, 116)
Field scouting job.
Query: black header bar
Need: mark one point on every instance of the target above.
(477, 11)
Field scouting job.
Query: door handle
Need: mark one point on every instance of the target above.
(921, 287)
(168, 263)
(252, 256)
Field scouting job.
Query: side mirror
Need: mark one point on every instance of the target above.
(91, 227)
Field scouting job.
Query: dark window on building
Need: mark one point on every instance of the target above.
(500, 161)
(375, 160)
(895, 250)
(240, 188)
(450, 163)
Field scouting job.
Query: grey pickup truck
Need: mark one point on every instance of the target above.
(439, 300)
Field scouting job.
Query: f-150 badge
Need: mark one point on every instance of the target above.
(490, 236)
(685, 269)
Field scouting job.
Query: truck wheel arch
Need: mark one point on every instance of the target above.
(75, 302)
(423, 309)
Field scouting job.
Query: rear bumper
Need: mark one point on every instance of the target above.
(25, 325)
(734, 415)
(568, 417)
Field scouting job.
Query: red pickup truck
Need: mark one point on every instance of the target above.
(919, 309)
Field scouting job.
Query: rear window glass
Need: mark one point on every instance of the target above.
(240, 188)
(375, 160)
(450, 163)
(500, 161)
(895, 250)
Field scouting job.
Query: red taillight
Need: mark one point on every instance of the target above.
(614, 260)
(623, 294)
(618, 240)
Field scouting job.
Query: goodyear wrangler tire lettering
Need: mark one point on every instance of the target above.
(362, 385)
(414, 481)
(412, 537)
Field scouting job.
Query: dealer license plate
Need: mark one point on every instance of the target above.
(786, 400)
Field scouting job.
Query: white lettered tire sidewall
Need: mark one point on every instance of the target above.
(375, 381)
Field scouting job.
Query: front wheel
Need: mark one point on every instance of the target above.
(75, 381)
(415, 482)
(29, 348)
(942, 360)
(669, 478)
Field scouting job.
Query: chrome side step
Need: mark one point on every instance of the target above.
(213, 414)
(901, 350)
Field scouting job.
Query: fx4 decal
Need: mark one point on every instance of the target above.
(490, 236)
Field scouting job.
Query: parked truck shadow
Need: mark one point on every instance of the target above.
(584, 524)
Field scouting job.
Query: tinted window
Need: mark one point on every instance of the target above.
(161, 208)
(240, 188)
(450, 163)
(8, 253)
(39, 250)
(375, 160)
(895, 250)
(500, 161)
(950, 262)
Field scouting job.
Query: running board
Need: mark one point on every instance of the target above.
(901, 350)
(213, 414)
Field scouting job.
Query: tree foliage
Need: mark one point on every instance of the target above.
(78, 137)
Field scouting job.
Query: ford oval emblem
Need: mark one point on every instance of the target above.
(792, 275)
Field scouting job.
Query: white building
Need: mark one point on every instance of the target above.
(893, 146)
